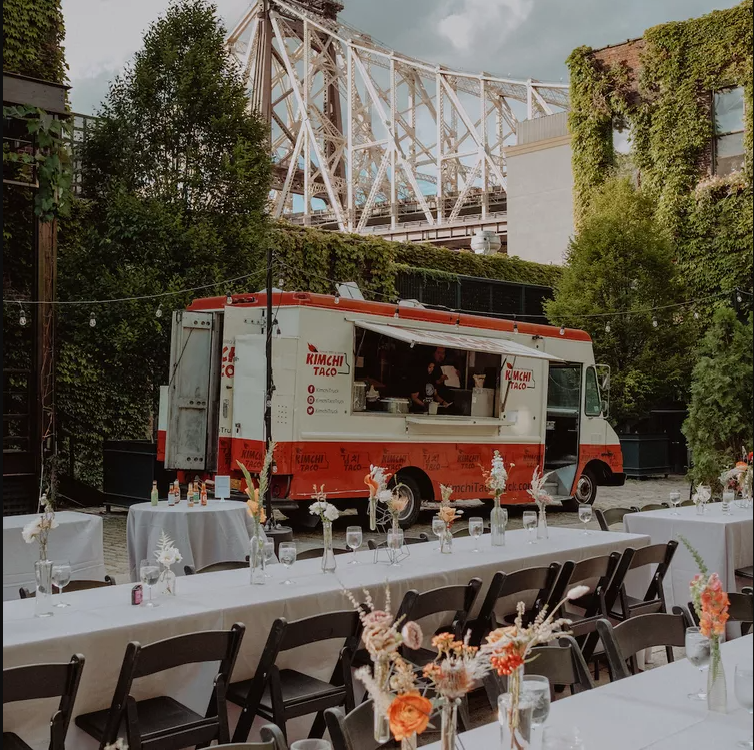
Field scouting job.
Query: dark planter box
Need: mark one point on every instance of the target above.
(129, 467)
(645, 455)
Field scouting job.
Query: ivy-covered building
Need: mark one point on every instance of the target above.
(674, 108)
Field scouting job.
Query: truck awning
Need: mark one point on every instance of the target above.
(467, 341)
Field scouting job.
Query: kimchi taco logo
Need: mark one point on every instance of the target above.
(518, 378)
(327, 364)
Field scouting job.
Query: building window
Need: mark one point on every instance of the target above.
(729, 130)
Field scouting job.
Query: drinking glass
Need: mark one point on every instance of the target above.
(538, 688)
(395, 542)
(149, 573)
(585, 515)
(438, 528)
(530, 524)
(675, 501)
(311, 744)
(287, 555)
(268, 550)
(354, 539)
(476, 529)
(698, 653)
(61, 577)
(559, 738)
(744, 687)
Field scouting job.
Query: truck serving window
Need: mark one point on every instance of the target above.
(592, 401)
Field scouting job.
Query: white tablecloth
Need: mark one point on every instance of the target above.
(724, 542)
(208, 534)
(647, 710)
(100, 623)
(78, 538)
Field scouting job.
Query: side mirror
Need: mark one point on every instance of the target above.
(605, 406)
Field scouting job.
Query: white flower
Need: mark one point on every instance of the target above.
(169, 556)
(31, 530)
(331, 513)
(326, 511)
(702, 494)
(385, 496)
(318, 508)
(577, 592)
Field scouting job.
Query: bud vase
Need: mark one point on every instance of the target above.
(43, 596)
(446, 542)
(381, 721)
(700, 509)
(409, 743)
(328, 555)
(256, 555)
(498, 522)
(717, 693)
(449, 723)
(373, 513)
(729, 497)
(515, 714)
(542, 525)
(167, 581)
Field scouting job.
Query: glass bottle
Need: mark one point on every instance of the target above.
(498, 522)
(328, 555)
(155, 496)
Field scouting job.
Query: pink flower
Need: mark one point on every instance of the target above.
(412, 635)
(577, 592)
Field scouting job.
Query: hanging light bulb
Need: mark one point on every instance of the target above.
(22, 318)
(92, 319)
(395, 314)
(228, 299)
(607, 327)
(739, 298)
(562, 330)
(515, 327)
(655, 323)
(158, 312)
(280, 283)
(696, 314)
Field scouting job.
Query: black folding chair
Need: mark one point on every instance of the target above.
(37, 681)
(25, 593)
(162, 723)
(189, 570)
(282, 694)
(317, 552)
(272, 739)
(372, 544)
(355, 730)
(607, 518)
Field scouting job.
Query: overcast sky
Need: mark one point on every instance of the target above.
(520, 38)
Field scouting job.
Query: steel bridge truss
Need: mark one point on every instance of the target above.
(378, 136)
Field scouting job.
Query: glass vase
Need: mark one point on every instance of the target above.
(717, 693)
(43, 596)
(256, 555)
(448, 723)
(498, 522)
(729, 497)
(373, 513)
(542, 524)
(515, 718)
(700, 509)
(446, 542)
(381, 720)
(410, 742)
(167, 581)
(328, 555)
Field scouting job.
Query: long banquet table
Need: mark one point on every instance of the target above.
(99, 623)
(77, 538)
(648, 710)
(725, 542)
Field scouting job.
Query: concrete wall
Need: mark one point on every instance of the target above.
(540, 191)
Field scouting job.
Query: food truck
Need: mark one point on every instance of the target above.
(427, 394)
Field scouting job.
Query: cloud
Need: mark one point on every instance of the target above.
(479, 23)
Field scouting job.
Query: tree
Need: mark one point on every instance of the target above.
(176, 177)
(619, 267)
(719, 423)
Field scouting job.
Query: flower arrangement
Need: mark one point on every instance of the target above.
(448, 515)
(509, 648)
(376, 481)
(395, 502)
(39, 528)
(167, 555)
(255, 503)
(496, 478)
(702, 495)
(326, 511)
(711, 605)
(540, 497)
(739, 478)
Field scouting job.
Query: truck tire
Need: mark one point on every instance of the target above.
(586, 491)
(412, 491)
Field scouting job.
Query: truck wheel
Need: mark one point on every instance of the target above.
(412, 493)
(586, 491)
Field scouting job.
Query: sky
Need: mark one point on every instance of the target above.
(516, 38)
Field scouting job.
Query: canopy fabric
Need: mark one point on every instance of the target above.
(467, 341)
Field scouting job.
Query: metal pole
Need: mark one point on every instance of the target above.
(269, 388)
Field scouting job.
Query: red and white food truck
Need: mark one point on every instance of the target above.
(346, 375)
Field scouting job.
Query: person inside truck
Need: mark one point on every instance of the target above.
(423, 390)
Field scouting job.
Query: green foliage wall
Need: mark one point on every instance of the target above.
(670, 117)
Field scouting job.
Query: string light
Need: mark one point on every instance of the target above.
(92, 319)
(696, 314)
(607, 327)
(515, 327)
(228, 299)
(22, 318)
(739, 298)
(562, 330)
(158, 312)
(655, 323)
(396, 314)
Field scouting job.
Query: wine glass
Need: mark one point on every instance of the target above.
(61, 577)
(438, 528)
(585, 515)
(560, 738)
(675, 501)
(476, 529)
(743, 682)
(530, 524)
(698, 653)
(287, 554)
(395, 542)
(354, 540)
(538, 688)
(149, 573)
(268, 552)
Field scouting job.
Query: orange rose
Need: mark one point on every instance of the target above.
(409, 713)
(373, 486)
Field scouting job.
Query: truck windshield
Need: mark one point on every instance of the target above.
(564, 388)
